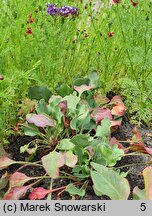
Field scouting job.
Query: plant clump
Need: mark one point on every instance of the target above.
(73, 130)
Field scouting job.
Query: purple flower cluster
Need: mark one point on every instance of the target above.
(52, 9)
(64, 11)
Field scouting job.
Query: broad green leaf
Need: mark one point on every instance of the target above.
(52, 162)
(63, 90)
(55, 111)
(110, 183)
(111, 154)
(81, 81)
(98, 193)
(41, 107)
(30, 130)
(65, 144)
(81, 172)
(104, 129)
(83, 155)
(72, 101)
(80, 140)
(70, 159)
(73, 190)
(39, 92)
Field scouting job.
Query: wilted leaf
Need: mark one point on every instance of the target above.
(65, 144)
(100, 113)
(82, 88)
(38, 193)
(16, 193)
(137, 143)
(109, 182)
(52, 162)
(104, 129)
(27, 106)
(100, 99)
(70, 159)
(39, 92)
(118, 110)
(18, 179)
(5, 162)
(73, 190)
(40, 120)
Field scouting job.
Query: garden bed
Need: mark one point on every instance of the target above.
(124, 133)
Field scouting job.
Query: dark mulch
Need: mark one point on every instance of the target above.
(123, 133)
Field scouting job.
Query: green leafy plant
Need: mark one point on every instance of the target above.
(73, 131)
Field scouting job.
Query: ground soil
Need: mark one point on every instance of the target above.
(124, 133)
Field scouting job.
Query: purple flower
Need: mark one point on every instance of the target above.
(67, 10)
(52, 9)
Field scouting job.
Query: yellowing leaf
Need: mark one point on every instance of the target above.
(52, 162)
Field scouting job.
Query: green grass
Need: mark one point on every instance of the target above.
(61, 49)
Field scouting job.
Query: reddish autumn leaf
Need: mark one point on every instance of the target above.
(137, 143)
(38, 193)
(100, 113)
(82, 88)
(147, 173)
(114, 141)
(118, 110)
(116, 100)
(18, 179)
(5, 162)
(40, 120)
(16, 193)
(63, 106)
